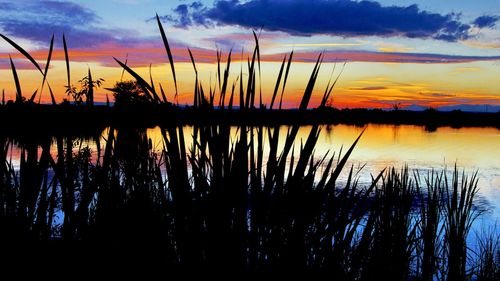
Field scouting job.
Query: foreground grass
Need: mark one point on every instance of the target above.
(223, 205)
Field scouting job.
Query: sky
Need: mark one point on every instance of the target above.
(426, 53)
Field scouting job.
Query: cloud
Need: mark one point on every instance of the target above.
(437, 95)
(38, 20)
(19, 64)
(183, 12)
(482, 45)
(460, 70)
(374, 88)
(186, 15)
(141, 55)
(340, 17)
(322, 45)
(137, 56)
(416, 102)
(395, 49)
(486, 21)
(368, 56)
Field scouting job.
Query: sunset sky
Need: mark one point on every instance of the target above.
(428, 53)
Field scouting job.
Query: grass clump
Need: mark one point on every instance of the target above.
(221, 204)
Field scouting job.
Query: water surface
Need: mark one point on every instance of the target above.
(381, 146)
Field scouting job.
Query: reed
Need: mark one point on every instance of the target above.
(459, 217)
(430, 197)
(223, 204)
(488, 257)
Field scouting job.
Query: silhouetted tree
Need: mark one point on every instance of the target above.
(397, 106)
(128, 93)
(86, 89)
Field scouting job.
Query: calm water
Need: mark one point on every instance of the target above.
(381, 146)
(472, 149)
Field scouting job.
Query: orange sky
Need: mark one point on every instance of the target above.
(365, 83)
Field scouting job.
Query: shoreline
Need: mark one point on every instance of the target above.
(50, 118)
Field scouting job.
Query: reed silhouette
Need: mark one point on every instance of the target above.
(104, 196)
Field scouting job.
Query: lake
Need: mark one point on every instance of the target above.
(472, 149)
(142, 189)
(383, 146)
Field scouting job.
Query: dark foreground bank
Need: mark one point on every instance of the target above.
(69, 118)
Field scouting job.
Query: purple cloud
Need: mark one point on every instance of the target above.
(38, 20)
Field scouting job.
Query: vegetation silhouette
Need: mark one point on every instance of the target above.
(103, 196)
(87, 85)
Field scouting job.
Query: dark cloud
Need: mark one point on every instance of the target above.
(339, 17)
(196, 5)
(38, 20)
(183, 13)
(486, 21)
(42, 33)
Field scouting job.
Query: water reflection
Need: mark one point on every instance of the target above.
(252, 197)
(382, 146)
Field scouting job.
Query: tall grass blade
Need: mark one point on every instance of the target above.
(257, 48)
(142, 83)
(52, 95)
(19, 93)
(219, 58)
(123, 70)
(193, 62)
(225, 80)
(90, 92)
(47, 64)
(231, 98)
(163, 95)
(66, 58)
(341, 163)
(169, 53)
(310, 85)
(250, 95)
(33, 96)
(327, 94)
(242, 94)
(196, 97)
(22, 51)
(286, 78)
(278, 82)
(155, 95)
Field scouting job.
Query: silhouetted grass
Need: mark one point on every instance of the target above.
(488, 260)
(221, 204)
(430, 224)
